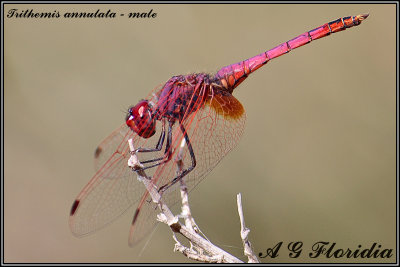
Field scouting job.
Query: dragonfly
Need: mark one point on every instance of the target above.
(197, 110)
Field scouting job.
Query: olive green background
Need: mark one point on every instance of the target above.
(316, 162)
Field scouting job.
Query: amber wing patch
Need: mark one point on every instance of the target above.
(225, 104)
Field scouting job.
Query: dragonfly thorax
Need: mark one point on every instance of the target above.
(141, 120)
(181, 95)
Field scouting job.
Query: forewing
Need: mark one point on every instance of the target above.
(114, 188)
(111, 191)
(113, 143)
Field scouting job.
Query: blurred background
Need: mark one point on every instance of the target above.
(316, 162)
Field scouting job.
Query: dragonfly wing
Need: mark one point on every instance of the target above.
(144, 220)
(213, 132)
(111, 191)
(114, 142)
(214, 129)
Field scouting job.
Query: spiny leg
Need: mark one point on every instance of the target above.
(186, 171)
(167, 154)
(159, 143)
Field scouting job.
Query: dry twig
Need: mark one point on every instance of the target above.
(244, 233)
(200, 249)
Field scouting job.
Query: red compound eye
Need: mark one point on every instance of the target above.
(140, 119)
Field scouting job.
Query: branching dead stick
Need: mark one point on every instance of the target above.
(186, 213)
(244, 232)
(212, 252)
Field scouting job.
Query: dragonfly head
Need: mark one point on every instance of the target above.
(140, 119)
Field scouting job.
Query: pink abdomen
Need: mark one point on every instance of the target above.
(231, 76)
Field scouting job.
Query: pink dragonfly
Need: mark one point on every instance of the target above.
(198, 108)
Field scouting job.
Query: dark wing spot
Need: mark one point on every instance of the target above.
(74, 207)
(135, 216)
(98, 152)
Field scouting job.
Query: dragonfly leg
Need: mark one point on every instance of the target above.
(167, 154)
(159, 143)
(186, 171)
